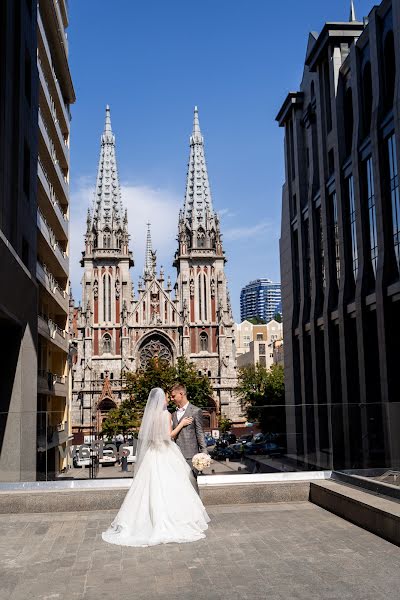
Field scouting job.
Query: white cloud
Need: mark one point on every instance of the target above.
(226, 212)
(250, 231)
(144, 203)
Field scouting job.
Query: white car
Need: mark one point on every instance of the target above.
(108, 457)
(132, 454)
(81, 461)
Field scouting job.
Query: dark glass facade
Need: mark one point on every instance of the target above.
(340, 247)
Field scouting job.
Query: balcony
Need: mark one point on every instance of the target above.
(60, 221)
(52, 332)
(49, 107)
(49, 158)
(51, 384)
(49, 282)
(54, 80)
(61, 26)
(53, 243)
(54, 33)
(52, 436)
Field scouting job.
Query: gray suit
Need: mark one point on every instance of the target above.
(190, 439)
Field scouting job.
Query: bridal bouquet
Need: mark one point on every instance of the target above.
(201, 461)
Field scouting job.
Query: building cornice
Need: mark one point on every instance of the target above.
(332, 32)
(292, 100)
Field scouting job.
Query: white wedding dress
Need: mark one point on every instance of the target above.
(161, 505)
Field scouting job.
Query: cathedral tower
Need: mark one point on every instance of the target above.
(207, 322)
(101, 322)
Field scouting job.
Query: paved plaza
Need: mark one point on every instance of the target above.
(254, 552)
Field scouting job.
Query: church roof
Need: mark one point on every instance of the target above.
(198, 204)
(107, 204)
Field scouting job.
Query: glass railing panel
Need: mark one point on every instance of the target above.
(359, 440)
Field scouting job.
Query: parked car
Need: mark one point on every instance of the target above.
(229, 437)
(265, 448)
(132, 454)
(220, 453)
(108, 457)
(78, 461)
(245, 439)
(210, 441)
(238, 450)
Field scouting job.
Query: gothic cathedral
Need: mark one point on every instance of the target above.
(116, 330)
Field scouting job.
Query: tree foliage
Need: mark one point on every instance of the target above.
(277, 317)
(257, 321)
(120, 420)
(258, 389)
(224, 424)
(128, 416)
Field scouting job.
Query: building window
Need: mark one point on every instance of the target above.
(367, 97)
(331, 163)
(389, 68)
(26, 183)
(107, 298)
(107, 239)
(307, 262)
(261, 349)
(202, 284)
(296, 267)
(262, 361)
(394, 194)
(106, 343)
(373, 237)
(327, 96)
(260, 337)
(203, 342)
(321, 252)
(291, 153)
(348, 120)
(201, 238)
(25, 252)
(335, 239)
(28, 77)
(352, 223)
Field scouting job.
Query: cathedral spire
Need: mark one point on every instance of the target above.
(352, 16)
(198, 204)
(107, 209)
(150, 257)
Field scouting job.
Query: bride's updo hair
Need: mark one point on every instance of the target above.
(179, 387)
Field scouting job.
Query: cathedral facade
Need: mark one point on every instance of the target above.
(117, 329)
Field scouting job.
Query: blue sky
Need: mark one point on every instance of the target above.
(152, 61)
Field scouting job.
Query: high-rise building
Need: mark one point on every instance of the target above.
(35, 93)
(260, 298)
(18, 293)
(118, 329)
(340, 245)
(56, 93)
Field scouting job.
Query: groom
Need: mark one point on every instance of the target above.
(190, 439)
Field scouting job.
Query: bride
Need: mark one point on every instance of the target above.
(161, 505)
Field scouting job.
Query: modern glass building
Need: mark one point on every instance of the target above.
(260, 298)
(340, 246)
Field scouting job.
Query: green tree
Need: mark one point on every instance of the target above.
(262, 395)
(120, 420)
(224, 424)
(257, 321)
(199, 390)
(158, 373)
(277, 317)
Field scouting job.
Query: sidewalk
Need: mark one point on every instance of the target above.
(252, 552)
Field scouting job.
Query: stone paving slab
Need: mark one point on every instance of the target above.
(252, 552)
